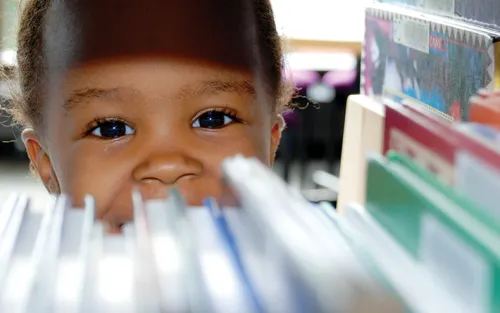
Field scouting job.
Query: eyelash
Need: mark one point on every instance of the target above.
(100, 121)
(233, 114)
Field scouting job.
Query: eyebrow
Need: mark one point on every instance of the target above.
(217, 86)
(81, 96)
(87, 94)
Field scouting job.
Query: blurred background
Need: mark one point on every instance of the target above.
(323, 45)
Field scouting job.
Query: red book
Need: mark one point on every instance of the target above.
(420, 137)
(461, 159)
(436, 134)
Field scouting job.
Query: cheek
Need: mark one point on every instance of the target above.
(82, 171)
(212, 155)
(249, 142)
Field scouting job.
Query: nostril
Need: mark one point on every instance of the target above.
(189, 176)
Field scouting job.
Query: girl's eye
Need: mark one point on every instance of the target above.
(213, 120)
(112, 130)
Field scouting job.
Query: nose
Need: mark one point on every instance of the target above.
(167, 169)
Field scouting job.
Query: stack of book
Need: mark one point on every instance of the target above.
(434, 190)
(272, 252)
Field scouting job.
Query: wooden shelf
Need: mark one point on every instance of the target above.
(363, 134)
(304, 45)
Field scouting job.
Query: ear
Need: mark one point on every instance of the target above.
(277, 128)
(40, 160)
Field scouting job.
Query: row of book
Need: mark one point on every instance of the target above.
(431, 182)
(434, 189)
(272, 252)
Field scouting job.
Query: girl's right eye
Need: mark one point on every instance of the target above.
(112, 130)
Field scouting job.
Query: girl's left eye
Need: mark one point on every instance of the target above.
(112, 129)
(213, 120)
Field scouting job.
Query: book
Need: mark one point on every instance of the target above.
(488, 132)
(394, 264)
(421, 139)
(451, 242)
(459, 159)
(490, 221)
(421, 57)
(485, 109)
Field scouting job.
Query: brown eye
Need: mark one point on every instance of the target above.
(213, 120)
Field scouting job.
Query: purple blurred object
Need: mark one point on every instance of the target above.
(303, 78)
(338, 79)
(290, 119)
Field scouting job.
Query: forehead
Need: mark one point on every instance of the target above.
(150, 81)
(218, 32)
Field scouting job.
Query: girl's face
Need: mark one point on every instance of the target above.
(118, 119)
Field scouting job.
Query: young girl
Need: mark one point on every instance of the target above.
(124, 94)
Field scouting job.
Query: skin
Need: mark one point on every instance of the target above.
(154, 95)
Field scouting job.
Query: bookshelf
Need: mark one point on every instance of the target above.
(363, 134)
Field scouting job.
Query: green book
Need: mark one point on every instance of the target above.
(480, 214)
(456, 247)
(403, 275)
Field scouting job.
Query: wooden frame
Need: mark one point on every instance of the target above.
(305, 45)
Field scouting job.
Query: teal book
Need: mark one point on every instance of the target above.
(454, 195)
(455, 246)
(404, 275)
